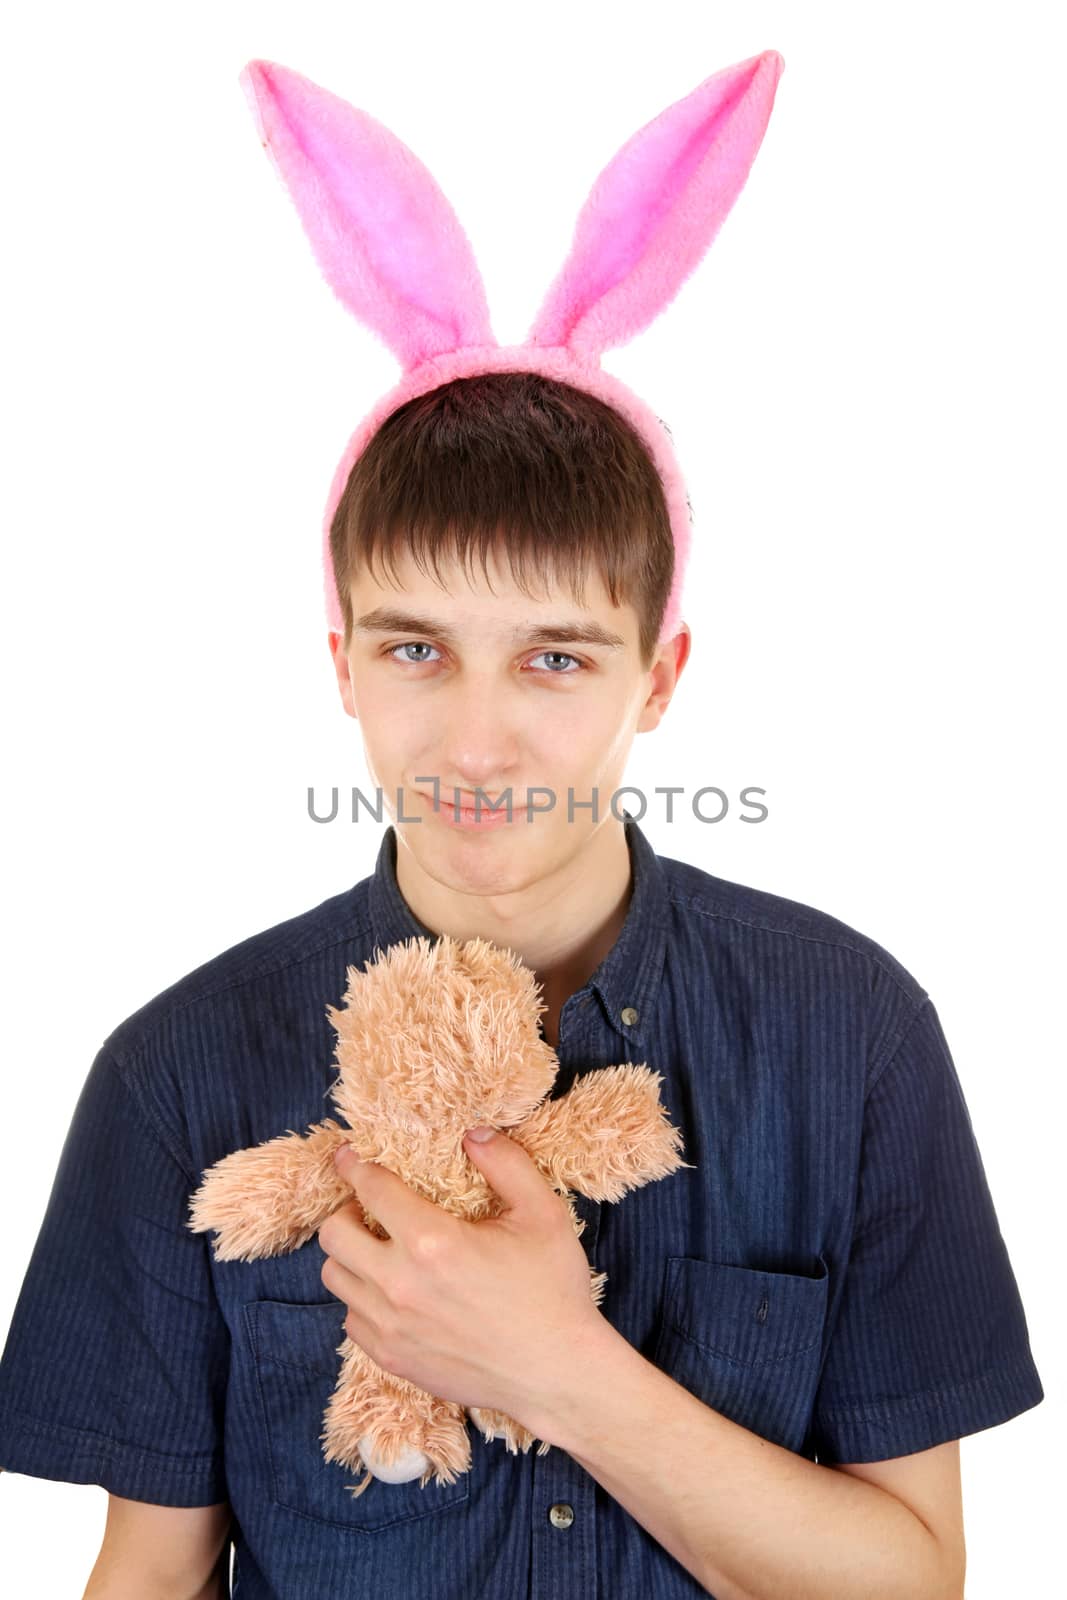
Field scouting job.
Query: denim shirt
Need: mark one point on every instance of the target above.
(829, 1273)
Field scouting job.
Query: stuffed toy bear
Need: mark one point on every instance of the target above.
(434, 1037)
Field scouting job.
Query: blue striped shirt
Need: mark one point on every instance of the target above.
(829, 1273)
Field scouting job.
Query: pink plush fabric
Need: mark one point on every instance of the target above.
(394, 252)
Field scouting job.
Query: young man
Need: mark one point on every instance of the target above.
(797, 1328)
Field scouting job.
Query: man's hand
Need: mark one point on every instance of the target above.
(487, 1313)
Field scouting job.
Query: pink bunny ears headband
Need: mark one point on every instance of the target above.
(393, 251)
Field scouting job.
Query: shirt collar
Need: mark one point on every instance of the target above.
(627, 981)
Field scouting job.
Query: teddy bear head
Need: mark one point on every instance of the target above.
(437, 1036)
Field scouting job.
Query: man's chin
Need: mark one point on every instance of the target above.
(501, 861)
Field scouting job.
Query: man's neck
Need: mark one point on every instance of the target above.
(561, 927)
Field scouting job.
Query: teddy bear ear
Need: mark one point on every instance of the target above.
(386, 239)
(656, 208)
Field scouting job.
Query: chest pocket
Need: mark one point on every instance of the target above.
(746, 1342)
(294, 1351)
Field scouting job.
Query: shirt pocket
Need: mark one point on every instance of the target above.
(745, 1341)
(295, 1356)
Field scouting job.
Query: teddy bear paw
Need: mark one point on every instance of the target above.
(409, 1464)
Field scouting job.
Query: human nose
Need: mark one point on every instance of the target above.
(480, 739)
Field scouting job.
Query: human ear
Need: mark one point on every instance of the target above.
(667, 667)
(343, 669)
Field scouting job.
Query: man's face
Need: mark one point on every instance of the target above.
(486, 689)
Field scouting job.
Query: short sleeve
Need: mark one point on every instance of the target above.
(116, 1360)
(930, 1341)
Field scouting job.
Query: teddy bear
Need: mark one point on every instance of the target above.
(434, 1037)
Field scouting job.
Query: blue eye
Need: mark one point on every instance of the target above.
(561, 655)
(414, 644)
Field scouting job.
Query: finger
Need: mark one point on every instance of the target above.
(363, 1303)
(514, 1176)
(401, 1212)
(347, 1286)
(345, 1236)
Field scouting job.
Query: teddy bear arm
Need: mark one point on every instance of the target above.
(271, 1198)
(608, 1134)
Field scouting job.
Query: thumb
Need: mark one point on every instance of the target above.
(506, 1167)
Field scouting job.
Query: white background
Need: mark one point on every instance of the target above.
(863, 379)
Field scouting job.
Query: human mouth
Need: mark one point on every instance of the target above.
(464, 811)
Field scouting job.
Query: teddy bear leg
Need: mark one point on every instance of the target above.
(497, 1425)
(395, 1430)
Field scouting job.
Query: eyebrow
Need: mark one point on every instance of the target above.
(384, 619)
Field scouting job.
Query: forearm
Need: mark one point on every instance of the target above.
(750, 1520)
(162, 1553)
(114, 1581)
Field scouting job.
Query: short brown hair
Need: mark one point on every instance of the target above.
(562, 476)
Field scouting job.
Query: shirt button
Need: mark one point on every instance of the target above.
(561, 1515)
(629, 1016)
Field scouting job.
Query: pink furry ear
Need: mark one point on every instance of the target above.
(656, 208)
(388, 242)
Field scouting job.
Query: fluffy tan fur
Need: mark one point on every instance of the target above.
(434, 1037)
